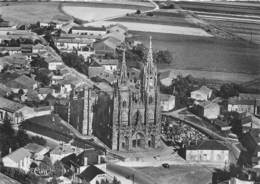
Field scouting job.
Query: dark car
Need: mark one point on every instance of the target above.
(165, 165)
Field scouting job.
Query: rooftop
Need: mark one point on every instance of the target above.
(204, 89)
(106, 61)
(19, 154)
(65, 149)
(240, 101)
(90, 173)
(6, 180)
(209, 145)
(9, 105)
(34, 148)
(208, 104)
(89, 28)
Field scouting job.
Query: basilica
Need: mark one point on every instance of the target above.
(129, 117)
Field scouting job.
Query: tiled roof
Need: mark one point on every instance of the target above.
(9, 105)
(90, 173)
(89, 28)
(19, 154)
(23, 82)
(6, 180)
(209, 145)
(240, 101)
(106, 61)
(33, 147)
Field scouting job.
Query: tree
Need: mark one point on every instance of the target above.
(228, 90)
(58, 168)
(163, 56)
(22, 138)
(138, 12)
(7, 128)
(38, 140)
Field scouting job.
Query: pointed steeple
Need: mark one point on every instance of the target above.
(150, 65)
(123, 73)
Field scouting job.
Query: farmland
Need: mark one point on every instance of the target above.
(93, 13)
(30, 12)
(207, 54)
(241, 19)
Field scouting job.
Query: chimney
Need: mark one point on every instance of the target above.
(85, 161)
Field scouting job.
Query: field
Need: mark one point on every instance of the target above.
(155, 28)
(93, 13)
(178, 174)
(162, 17)
(206, 54)
(30, 12)
(241, 19)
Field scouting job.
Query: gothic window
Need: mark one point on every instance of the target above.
(124, 116)
(137, 118)
(124, 104)
(150, 100)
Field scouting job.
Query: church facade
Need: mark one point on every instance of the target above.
(129, 117)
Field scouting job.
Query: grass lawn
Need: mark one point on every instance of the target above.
(205, 53)
(178, 174)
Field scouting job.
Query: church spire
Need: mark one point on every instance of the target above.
(150, 66)
(123, 73)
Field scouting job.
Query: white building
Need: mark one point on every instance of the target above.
(208, 110)
(38, 152)
(91, 175)
(20, 158)
(202, 94)
(167, 102)
(166, 78)
(62, 151)
(90, 30)
(209, 151)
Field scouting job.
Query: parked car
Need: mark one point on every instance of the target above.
(165, 165)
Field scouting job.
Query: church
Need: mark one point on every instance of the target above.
(128, 119)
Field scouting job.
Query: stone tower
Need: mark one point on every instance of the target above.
(134, 113)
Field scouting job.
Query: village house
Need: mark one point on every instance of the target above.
(222, 125)
(166, 78)
(251, 141)
(20, 159)
(90, 30)
(110, 65)
(15, 62)
(208, 151)
(106, 46)
(69, 44)
(167, 102)
(63, 150)
(10, 50)
(91, 175)
(22, 82)
(202, 94)
(116, 35)
(241, 105)
(208, 110)
(37, 151)
(117, 28)
(38, 48)
(12, 110)
(86, 52)
(245, 103)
